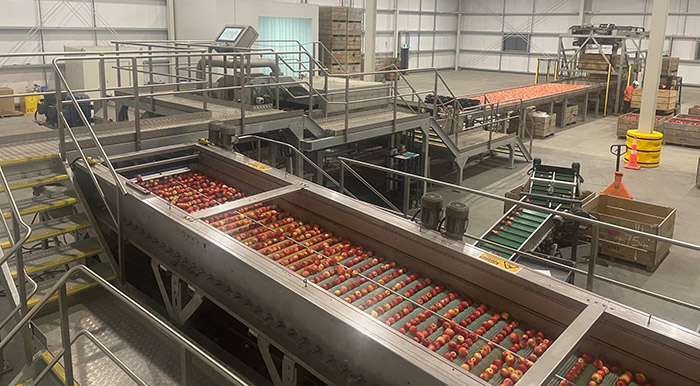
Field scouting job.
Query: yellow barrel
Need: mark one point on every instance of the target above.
(648, 148)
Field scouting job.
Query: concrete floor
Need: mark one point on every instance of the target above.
(672, 184)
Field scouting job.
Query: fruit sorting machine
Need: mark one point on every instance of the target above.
(355, 295)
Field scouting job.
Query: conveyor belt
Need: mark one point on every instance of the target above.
(453, 325)
(518, 225)
(464, 331)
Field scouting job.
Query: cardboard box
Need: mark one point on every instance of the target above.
(542, 127)
(7, 105)
(634, 214)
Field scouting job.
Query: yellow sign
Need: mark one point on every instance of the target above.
(501, 263)
(258, 165)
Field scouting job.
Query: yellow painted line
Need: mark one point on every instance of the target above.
(64, 260)
(57, 368)
(42, 207)
(52, 233)
(44, 181)
(27, 159)
(69, 291)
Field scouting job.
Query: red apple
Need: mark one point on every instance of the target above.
(640, 378)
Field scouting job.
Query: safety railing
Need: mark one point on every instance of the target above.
(188, 349)
(596, 226)
(16, 241)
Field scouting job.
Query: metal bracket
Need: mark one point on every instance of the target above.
(289, 371)
(179, 312)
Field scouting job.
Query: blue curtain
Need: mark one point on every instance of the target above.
(286, 28)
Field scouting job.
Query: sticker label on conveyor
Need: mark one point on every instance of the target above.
(258, 165)
(500, 263)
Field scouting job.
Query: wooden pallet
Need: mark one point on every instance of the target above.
(7, 114)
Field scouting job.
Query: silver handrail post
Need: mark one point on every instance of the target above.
(435, 95)
(347, 106)
(311, 87)
(590, 278)
(406, 194)
(341, 177)
(65, 334)
(103, 89)
(137, 115)
(61, 129)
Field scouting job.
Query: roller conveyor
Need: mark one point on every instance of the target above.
(351, 292)
(523, 228)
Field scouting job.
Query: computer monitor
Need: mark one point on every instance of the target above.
(236, 36)
(230, 34)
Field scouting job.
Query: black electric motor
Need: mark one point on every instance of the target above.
(47, 107)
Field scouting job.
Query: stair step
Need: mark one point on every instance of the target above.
(25, 160)
(74, 285)
(48, 258)
(42, 202)
(39, 178)
(53, 227)
(27, 375)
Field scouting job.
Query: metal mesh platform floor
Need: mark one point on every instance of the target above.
(364, 120)
(147, 352)
(466, 140)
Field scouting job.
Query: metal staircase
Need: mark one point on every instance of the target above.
(62, 233)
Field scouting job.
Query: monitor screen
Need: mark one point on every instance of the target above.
(230, 34)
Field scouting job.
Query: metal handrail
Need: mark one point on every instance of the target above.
(101, 347)
(87, 124)
(595, 223)
(300, 153)
(170, 332)
(16, 250)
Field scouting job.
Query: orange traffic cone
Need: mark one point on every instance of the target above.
(617, 188)
(632, 164)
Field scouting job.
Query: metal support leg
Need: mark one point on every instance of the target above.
(406, 204)
(594, 256)
(585, 107)
(289, 371)
(186, 367)
(426, 156)
(564, 105)
(511, 157)
(341, 178)
(264, 347)
(318, 177)
(65, 334)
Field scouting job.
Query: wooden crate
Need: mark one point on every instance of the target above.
(695, 110)
(343, 57)
(665, 100)
(340, 14)
(682, 130)
(350, 68)
(338, 42)
(542, 127)
(642, 216)
(514, 194)
(570, 115)
(630, 121)
(669, 65)
(595, 62)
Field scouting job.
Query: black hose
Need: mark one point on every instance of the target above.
(439, 227)
(413, 219)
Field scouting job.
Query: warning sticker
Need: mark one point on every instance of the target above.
(501, 263)
(258, 165)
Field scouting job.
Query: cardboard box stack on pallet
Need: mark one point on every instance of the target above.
(665, 99)
(541, 124)
(642, 216)
(630, 121)
(340, 30)
(7, 105)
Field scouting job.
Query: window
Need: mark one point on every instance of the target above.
(516, 43)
